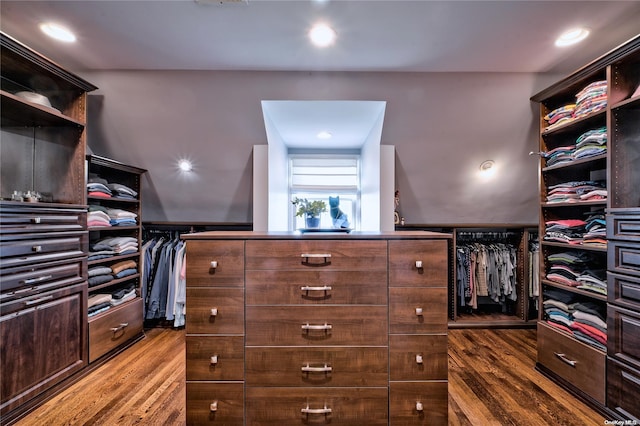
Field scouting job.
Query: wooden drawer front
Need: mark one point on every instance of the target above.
(320, 325)
(108, 331)
(215, 311)
(418, 357)
(417, 310)
(228, 258)
(624, 258)
(623, 390)
(556, 351)
(215, 404)
(42, 345)
(215, 358)
(418, 403)
(29, 251)
(432, 255)
(623, 340)
(316, 287)
(24, 281)
(271, 406)
(320, 254)
(25, 220)
(623, 290)
(623, 227)
(318, 366)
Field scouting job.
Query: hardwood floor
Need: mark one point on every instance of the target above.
(492, 381)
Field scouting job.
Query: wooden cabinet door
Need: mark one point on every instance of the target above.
(42, 344)
(211, 403)
(418, 263)
(417, 310)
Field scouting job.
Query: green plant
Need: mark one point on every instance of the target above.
(309, 208)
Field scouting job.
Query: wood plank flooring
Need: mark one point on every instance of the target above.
(492, 381)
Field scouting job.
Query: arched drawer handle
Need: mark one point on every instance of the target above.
(324, 369)
(36, 280)
(120, 327)
(312, 288)
(324, 410)
(566, 360)
(324, 326)
(38, 300)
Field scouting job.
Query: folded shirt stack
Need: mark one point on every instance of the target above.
(595, 229)
(99, 275)
(117, 245)
(591, 143)
(568, 231)
(576, 191)
(97, 217)
(583, 319)
(560, 115)
(123, 295)
(97, 187)
(566, 267)
(122, 191)
(124, 268)
(591, 99)
(119, 217)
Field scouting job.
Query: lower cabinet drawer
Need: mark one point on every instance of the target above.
(322, 366)
(623, 290)
(114, 327)
(215, 357)
(279, 406)
(320, 325)
(417, 310)
(215, 311)
(211, 403)
(577, 363)
(625, 226)
(418, 403)
(623, 257)
(623, 390)
(624, 335)
(418, 357)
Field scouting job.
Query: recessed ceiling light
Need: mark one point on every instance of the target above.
(185, 165)
(322, 35)
(572, 37)
(58, 32)
(324, 135)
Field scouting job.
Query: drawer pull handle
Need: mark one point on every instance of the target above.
(566, 360)
(419, 359)
(38, 300)
(419, 406)
(214, 312)
(214, 406)
(419, 312)
(36, 249)
(324, 369)
(325, 256)
(311, 288)
(419, 264)
(35, 220)
(214, 360)
(122, 326)
(324, 326)
(36, 280)
(214, 264)
(323, 410)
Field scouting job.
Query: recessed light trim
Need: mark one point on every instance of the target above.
(185, 165)
(572, 36)
(324, 135)
(58, 32)
(322, 35)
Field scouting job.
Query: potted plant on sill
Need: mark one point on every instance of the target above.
(310, 210)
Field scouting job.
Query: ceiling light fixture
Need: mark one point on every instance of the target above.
(487, 168)
(185, 165)
(572, 36)
(58, 32)
(322, 35)
(324, 135)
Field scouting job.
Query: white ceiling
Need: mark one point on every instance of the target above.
(392, 35)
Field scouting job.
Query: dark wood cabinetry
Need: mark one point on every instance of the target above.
(44, 239)
(344, 329)
(605, 374)
(121, 323)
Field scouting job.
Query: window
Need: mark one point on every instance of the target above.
(320, 176)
